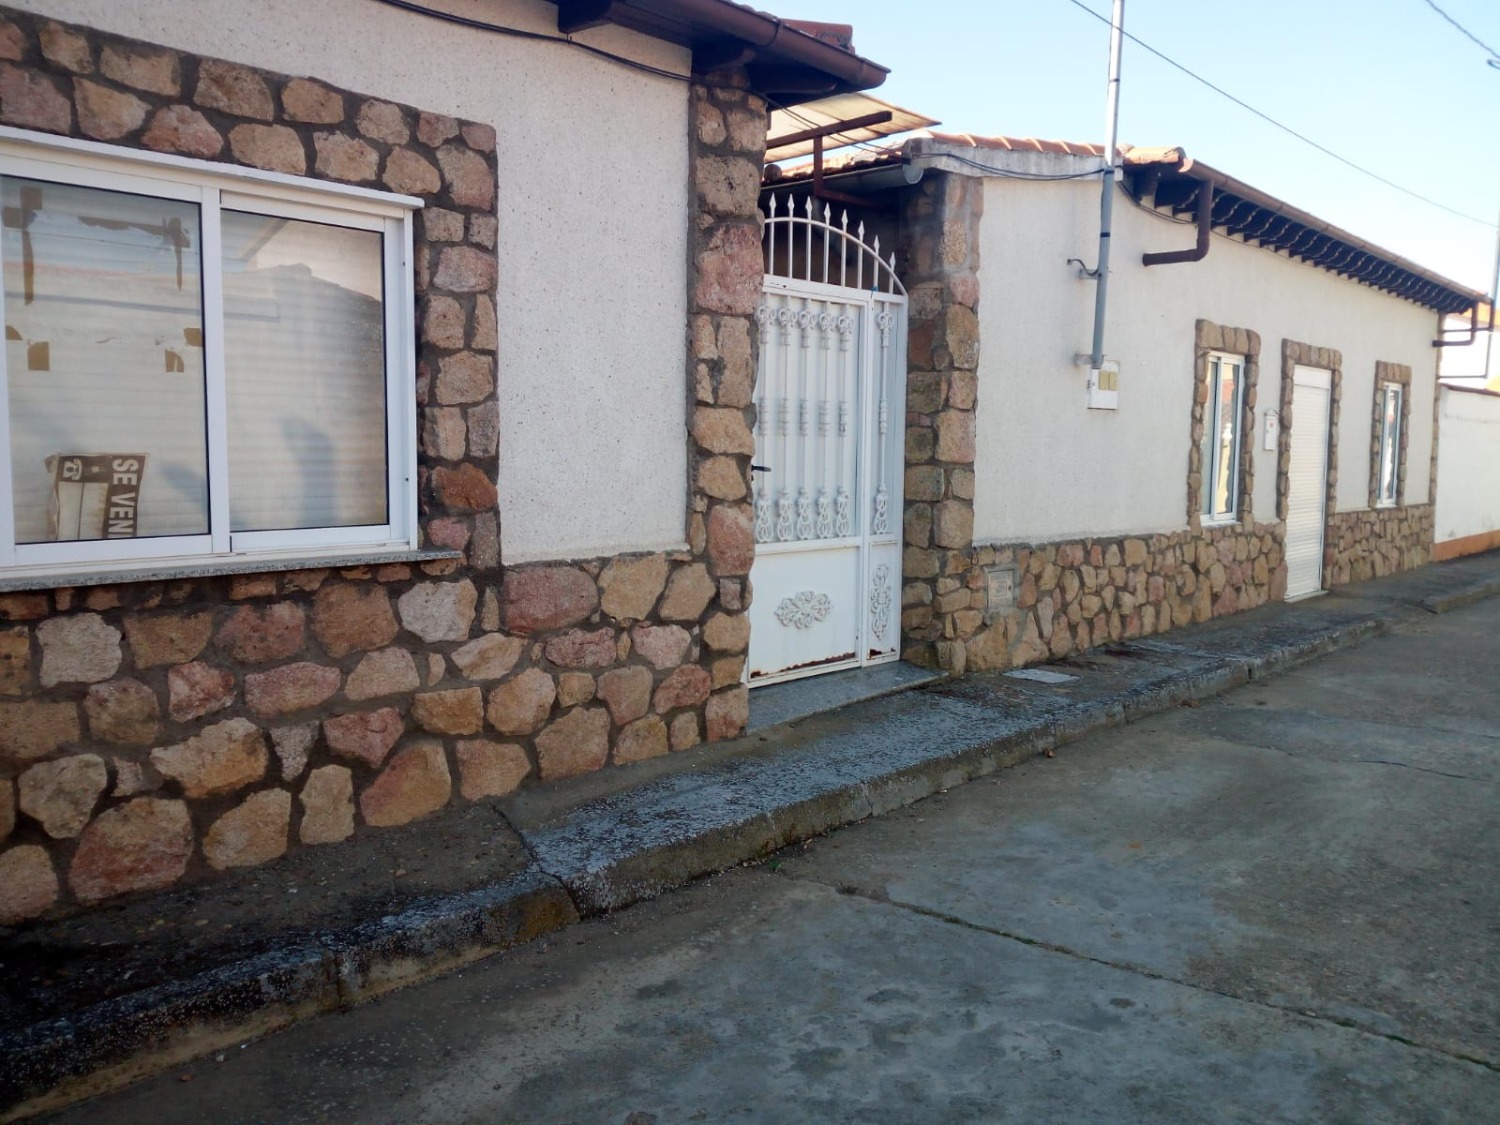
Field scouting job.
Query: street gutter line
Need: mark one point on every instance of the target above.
(1219, 703)
(884, 899)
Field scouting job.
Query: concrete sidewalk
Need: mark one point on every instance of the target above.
(94, 1003)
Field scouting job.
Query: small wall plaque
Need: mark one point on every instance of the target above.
(1000, 596)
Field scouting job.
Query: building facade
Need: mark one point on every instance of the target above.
(356, 465)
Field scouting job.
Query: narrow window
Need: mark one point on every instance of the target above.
(1222, 423)
(1388, 482)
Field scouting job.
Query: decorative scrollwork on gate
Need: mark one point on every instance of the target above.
(804, 515)
(880, 601)
(784, 517)
(804, 609)
(843, 523)
(763, 317)
(763, 527)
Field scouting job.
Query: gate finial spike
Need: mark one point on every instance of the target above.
(844, 220)
(860, 233)
(774, 199)
(828, 213)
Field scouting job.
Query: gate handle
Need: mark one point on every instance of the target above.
(760, 468)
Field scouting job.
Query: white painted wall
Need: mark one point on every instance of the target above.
(593, 189)
(1468, 500)
(1048, 468)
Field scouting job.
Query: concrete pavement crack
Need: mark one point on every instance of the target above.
(536, 861)
(1422, 769)
(883, 898)
(1244, 740)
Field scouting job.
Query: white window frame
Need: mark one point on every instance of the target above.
(215, 188)
(1213, 422)
(1393, 461)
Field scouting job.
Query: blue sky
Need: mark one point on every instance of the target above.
(1385, 83)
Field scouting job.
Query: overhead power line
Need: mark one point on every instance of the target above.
(1266, 117)
(1467, 34)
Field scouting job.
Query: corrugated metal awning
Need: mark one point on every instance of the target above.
(831, 111)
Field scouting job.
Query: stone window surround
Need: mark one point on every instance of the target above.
(141, 99)
(1208, 339)
(92, 164)
(1294, 354)
(1386, 374)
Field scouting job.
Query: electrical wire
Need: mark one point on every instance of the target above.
(1285, 128)
(1006, 174)
(1494, 59)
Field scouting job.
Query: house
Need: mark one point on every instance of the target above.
(1467, 517)
(1263, 426)
(377, 411)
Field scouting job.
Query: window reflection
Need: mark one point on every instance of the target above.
(104, 353)
(305, 363)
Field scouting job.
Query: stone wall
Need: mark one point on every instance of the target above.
(154, 732)
(940, 258)
(1374, 542)
(1071, 596)
(728, 147)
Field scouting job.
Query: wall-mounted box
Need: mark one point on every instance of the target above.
(1104, 386)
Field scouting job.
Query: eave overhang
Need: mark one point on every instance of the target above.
(788, 62)
(1245, 213)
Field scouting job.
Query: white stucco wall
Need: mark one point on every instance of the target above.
(1048, 468)
(1468, 498)
(592, 241)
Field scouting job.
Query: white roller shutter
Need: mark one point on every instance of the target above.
(1308, 491)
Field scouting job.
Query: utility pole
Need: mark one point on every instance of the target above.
(1107, 187)
(1489, 339)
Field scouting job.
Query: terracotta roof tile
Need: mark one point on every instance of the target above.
(840, 35)
(1019, 144)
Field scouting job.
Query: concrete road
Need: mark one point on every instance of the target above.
(1281, 905)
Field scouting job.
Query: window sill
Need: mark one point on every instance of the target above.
(1386, 506)
(164, 570)
(1219, 521)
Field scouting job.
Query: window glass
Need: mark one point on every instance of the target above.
(1221, 439)
(304, 346)
(104, 353)
(1210, 432)
(1390, 444)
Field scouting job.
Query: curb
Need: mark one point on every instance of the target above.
(1457, 599)
(611, 852)
(111, 1044)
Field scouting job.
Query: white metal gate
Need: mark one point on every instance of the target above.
(830, 435)
(1307, 487)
